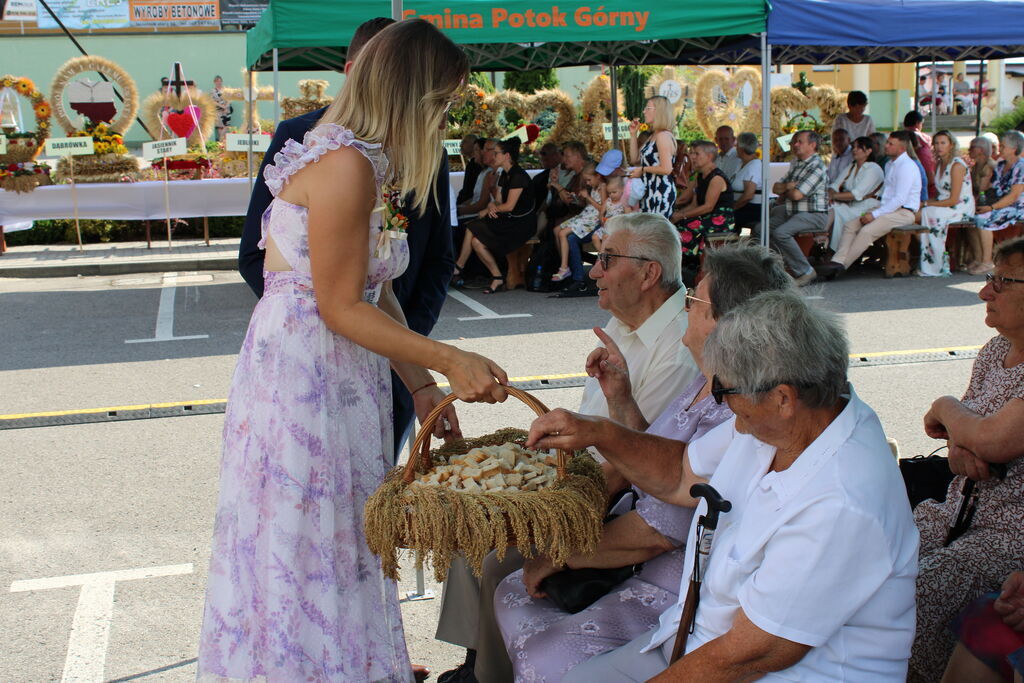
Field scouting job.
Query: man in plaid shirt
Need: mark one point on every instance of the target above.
(802, 205)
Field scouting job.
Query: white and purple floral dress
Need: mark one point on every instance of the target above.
(544, 642)
(294, 594)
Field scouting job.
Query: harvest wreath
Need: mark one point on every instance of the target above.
(473, 496)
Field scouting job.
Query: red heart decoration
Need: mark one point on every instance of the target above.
(181, 123)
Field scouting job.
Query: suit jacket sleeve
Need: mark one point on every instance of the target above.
(422, 289)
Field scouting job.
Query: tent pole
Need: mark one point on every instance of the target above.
(766, 147)
(277, 95)
(615, 108)
(935, 94)
(396, 10)
(977, 108)
(917, 88)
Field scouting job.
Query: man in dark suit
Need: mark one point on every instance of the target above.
(420, 291)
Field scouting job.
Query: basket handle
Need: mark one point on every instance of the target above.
(421, 446)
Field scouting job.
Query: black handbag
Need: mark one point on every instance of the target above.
(926, 476)
(574, 590)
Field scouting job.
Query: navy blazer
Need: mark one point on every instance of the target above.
(422, 288)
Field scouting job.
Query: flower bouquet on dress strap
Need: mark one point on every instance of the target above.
(473, 496)
(394, 223)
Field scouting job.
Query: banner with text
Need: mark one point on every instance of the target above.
(169, 13)
(19, 10)
(242, 12)
(623, 131)
(85, 14)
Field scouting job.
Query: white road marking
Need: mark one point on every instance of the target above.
(90, 627)
(485, 313)
(165, 315)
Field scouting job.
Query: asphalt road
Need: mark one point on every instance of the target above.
(137, 497)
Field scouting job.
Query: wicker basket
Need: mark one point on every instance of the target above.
(437, 522)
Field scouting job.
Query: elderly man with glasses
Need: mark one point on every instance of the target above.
(638, 276)
(811, 574)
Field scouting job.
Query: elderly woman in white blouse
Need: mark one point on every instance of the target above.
(855, 191)
(746, 185)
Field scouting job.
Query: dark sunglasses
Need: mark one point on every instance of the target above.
(998, 281)
(718, 392)
(605, 258)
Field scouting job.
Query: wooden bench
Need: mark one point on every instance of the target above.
(957, 245)
(517, 261)
(897, 249)
(1008, 233)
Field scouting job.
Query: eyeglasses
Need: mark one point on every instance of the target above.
(998, 281)
(718, 392)
(690, 298)
(605, 258)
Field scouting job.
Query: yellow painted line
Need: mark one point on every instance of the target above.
(911, 352)
(530, 378)
(90, 411)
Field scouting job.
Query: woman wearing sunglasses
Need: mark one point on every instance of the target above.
(543, 641)
(985, 427)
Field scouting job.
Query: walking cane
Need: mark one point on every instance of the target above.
(706, 526)
(969, 500)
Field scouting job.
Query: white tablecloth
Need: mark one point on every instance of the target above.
(142, 201)
(129, 201)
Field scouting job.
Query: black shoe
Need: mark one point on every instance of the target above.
(463, 673)
(576, 289)
(830, 271)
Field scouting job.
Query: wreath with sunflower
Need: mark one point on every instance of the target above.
(25, 146)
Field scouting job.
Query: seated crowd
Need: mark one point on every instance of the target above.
(874, 183)
(820, 569)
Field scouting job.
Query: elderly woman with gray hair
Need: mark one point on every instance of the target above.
(543, 640)
(1004, 205)
(811, 574)
(710, 210)
(746, 185)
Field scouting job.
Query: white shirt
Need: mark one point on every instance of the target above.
(729, 163)
(902, 186)
(823, 553)
(839, 165)
(750, 171)
(860, 182)
(478, 189)
(863, 129)
(660, 367)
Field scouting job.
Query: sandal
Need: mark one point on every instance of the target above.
(980, 269)
(457, 279)
(561, 275)
(500, 288)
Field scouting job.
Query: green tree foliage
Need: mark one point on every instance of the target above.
(1011, 120)
(633, 82)
(482, 80)
(529, 82)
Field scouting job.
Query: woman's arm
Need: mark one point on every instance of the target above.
(749, 188)
(625, 540)
(994, 438)
(956, 179)
(510, 203)
(715, 188)
(1009, 199)
(665, 144)
(339, 258)
(634, 145)
(485, 196)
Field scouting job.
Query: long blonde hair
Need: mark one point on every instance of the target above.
(396, 95)
(663, 118)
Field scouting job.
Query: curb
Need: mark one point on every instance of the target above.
(117, 267)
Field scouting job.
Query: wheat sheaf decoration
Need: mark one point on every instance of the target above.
(93, 101)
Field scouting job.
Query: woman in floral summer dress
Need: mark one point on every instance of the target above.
(656, 158)
(294, 593)
(1005, 199)
(955, 202)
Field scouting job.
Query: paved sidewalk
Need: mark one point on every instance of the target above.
(118, 258)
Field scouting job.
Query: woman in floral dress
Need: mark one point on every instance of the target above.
(710, 212)
(294, 594)
(656, 158)
(955, 202)
(1008, 189)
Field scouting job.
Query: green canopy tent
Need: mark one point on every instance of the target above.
(525, 34)
(521, 34)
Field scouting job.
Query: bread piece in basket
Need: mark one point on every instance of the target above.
(437, 522)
